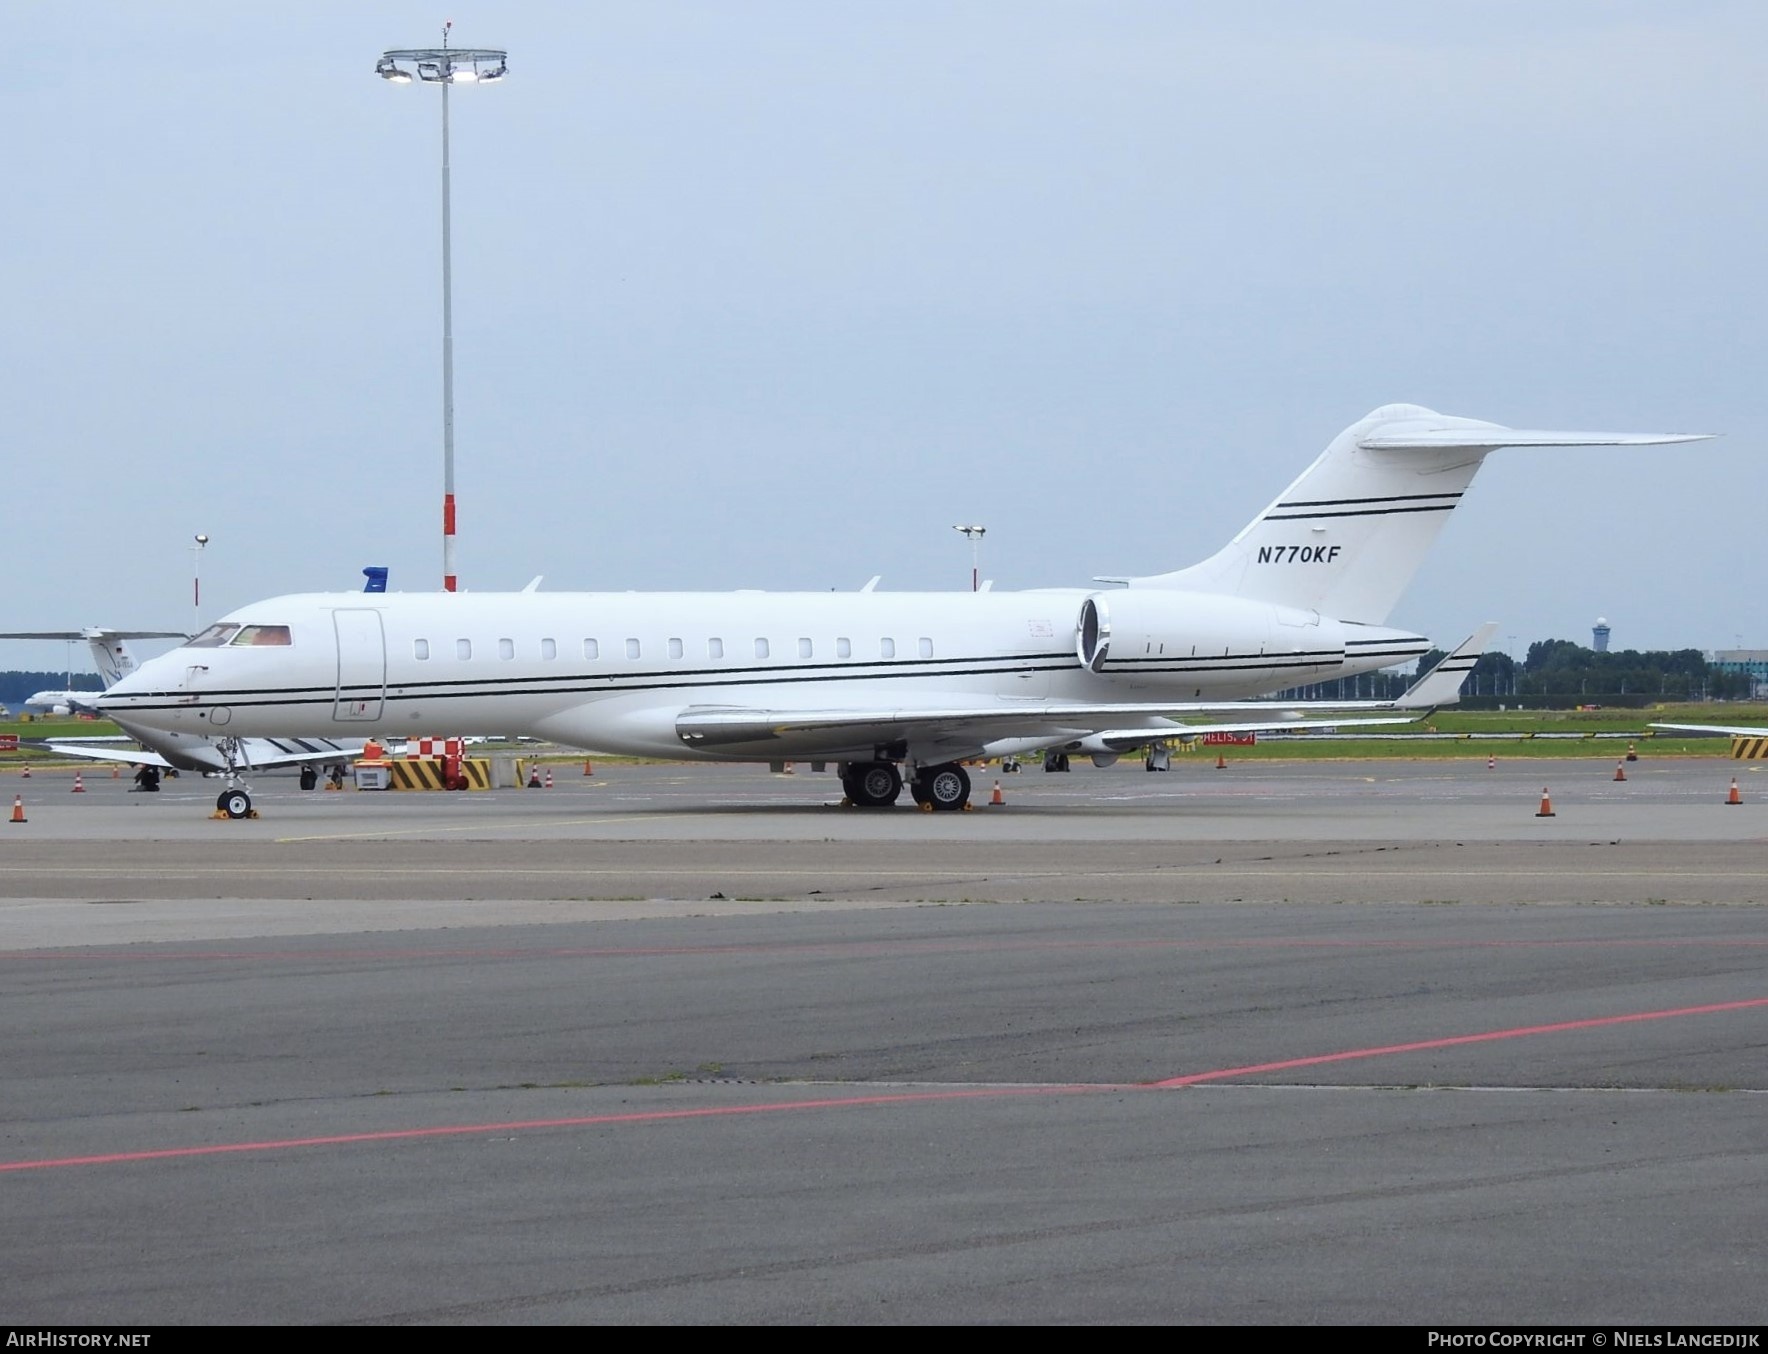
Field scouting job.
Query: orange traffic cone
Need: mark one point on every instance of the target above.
(18, 809)
(588, 770)
(79, 785)
(1492, 762)
(1734, 797)
(116, 771)
(1620, 771)
(997, 797)
(1546, 805)
(1221, 762)
(549, 778)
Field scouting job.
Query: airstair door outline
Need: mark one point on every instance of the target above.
(362, 665)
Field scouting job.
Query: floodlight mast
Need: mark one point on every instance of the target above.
(445, 66)
(975, 533)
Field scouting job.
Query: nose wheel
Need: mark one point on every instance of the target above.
(234, 801)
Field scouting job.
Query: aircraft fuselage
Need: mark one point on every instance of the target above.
(615, 671)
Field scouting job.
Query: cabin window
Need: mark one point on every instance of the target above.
(715, 648)
(804, 650)
(548, 650)
(420, 650)
(591, 649)
(214, 637)
(887, 648)
(463, 649)
(761, 648)
(926, 647)
(675, 648)
(843, 647)
(259, 636)
(632, 648)
(506, 648)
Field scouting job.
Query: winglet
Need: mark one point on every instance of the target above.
(1442, 684)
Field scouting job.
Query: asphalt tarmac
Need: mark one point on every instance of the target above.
(1345, 1042)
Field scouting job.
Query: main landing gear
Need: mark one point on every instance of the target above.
(876, 785)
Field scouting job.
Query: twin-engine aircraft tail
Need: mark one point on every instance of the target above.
(1347, 536)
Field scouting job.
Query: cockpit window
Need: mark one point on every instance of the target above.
(215, 636)
(262, 636)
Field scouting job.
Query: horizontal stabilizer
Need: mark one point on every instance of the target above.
(1492, 438)
(93, 632)
(1442, 684)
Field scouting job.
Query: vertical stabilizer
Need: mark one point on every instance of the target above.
(1346, 538)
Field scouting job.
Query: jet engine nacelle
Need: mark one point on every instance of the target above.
(1174, 638)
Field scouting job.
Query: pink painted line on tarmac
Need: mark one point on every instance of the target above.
(1489, 1036)
(863, 1101)
(515, 1126)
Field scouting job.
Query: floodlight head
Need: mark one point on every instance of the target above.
(201, 539)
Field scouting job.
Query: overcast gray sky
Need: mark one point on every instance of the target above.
(770, 294)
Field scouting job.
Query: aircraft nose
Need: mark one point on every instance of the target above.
(120, 694)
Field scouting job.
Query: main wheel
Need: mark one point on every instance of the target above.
(946, 787)
(235, 803)
(875, 785)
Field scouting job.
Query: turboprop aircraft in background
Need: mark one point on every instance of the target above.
(178, 751)
(871, 682)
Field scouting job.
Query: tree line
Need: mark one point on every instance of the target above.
(1559, 672)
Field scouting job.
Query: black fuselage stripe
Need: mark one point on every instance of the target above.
(328, 696)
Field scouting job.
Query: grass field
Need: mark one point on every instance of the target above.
(1448, 733)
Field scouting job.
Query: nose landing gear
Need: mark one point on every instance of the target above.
(235, 801)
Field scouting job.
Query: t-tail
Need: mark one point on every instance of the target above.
(109, 654)
(1346, 538)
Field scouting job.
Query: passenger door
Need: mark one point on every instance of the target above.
(362, 665)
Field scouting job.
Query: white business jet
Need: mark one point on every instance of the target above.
(875, 683)
(177, 751)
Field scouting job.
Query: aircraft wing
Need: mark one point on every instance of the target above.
(116, 752)
(1735, 730)
(264, 754)
(1117, 726)
(187, 752)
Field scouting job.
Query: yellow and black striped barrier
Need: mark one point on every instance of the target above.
(426, 773)
(1749, 749)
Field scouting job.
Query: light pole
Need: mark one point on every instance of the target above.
(975, 534)
(445, 66)
(196, 583)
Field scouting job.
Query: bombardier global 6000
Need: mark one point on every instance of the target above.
(889, 688)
